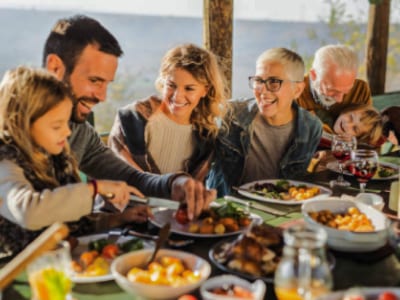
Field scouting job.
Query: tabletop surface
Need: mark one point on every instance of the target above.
(378, 268)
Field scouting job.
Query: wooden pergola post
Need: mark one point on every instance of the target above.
(377, 45)
(217, 33)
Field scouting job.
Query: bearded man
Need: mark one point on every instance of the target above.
(84, 54)
(331, 84)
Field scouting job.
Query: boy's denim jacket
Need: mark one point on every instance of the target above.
(233, 145)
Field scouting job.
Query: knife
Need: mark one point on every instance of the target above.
(154, 201)
(258, 206)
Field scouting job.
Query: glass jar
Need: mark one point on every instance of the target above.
(49, 274)
(303, 272)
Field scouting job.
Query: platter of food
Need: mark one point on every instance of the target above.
(280, 191)
(364, 293)
(254, 254)
(92, 258)
(219, 221)
(386, 171)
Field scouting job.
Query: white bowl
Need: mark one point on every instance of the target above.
(371, 199)
(121, 266)
(345, 240)
(257, 288)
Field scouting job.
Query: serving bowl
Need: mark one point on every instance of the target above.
(123, 264)
(257, 288)
(346, 240)
(371, 199)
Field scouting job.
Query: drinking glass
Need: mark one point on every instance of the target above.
(303, 272)
(49, 274)
(394, 237)
(341, 147)
(363, 165)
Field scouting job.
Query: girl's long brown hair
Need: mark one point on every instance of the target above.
(26, 94)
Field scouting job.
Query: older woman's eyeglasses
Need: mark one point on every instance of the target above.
(272, 84)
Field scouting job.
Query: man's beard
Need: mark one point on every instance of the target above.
(88, 102)
(326, 101)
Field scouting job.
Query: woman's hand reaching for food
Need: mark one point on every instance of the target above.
(193, 193)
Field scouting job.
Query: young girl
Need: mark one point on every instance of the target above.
(362, 121)
(39, 181)
(175, 132)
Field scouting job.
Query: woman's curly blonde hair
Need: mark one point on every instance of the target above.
(26, 94)
(203, 65)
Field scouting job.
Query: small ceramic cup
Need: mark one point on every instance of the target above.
(371, 199)
(257, 288)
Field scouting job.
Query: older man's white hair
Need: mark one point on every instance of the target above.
(342, 57)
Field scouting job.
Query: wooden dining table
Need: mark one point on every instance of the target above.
(378, 268)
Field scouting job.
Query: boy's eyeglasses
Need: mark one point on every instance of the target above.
(272, 84)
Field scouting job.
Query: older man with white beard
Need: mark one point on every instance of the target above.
(331, 84)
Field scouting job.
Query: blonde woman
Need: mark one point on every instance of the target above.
(39, 181)
(174, 132)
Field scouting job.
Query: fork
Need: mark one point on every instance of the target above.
(172, 243)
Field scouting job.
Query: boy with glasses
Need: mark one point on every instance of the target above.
(268, 137)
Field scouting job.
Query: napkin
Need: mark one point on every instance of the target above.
(315, 160)
(394, 196)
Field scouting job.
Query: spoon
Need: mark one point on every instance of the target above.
(162, 238)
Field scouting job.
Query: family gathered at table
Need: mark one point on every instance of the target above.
(188, 143)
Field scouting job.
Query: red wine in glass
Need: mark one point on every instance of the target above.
(363, 171)
(341, 148)
(363, 165)
(341, 155)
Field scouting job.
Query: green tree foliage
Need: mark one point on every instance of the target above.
(119, 93)
(126, 88)
(349, 29)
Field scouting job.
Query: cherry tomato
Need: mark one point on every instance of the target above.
(241, 292)
(110, 251)
(387, 296)
(88, 257)
(187, 297)
(181, 215)
(353, 297)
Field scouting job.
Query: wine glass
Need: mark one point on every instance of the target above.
(363, 165)
(342, 145)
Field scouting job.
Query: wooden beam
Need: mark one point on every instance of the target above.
(377, 45)
(217, 33)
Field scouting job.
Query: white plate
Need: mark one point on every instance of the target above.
(164, 215)
(83, 246)
(368, 293)
(325, 192)
(333, 166)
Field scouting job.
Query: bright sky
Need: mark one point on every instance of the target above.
(293, 10)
